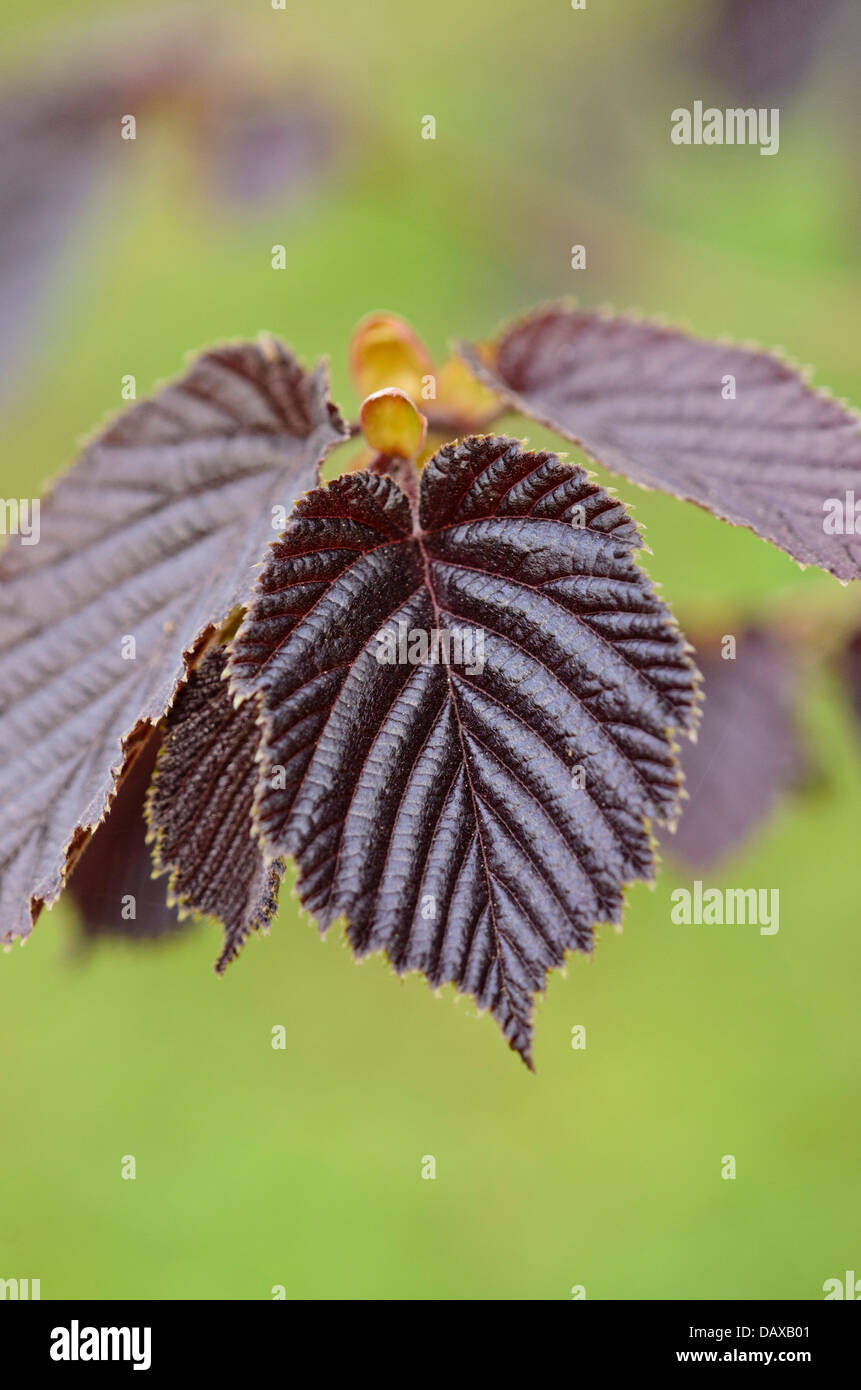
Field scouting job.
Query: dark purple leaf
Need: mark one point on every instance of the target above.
(199, 809)
(748, 751)
(112, 883)
(762, 49)
(648, 402)
(850, 671)
(152, 536)
(434, 805)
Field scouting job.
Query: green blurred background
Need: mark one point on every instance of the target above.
(302, 1167)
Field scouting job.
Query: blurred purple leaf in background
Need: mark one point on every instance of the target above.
(762, 50)
(850, 671)
(748, 752)
(53, 150)
(61, 151)
(261, 150)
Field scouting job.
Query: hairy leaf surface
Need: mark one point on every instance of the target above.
(748, 751)
(648, 402)
(199, 808)
(151, 538)
(433, 804)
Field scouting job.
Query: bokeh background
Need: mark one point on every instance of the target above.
(301, 1167)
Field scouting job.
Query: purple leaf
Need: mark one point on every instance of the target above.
(112, 883)
(850, 671)
(199, 809)
(762, 49)
(147, 545)
(651, 403)
(748, 752)
(472, 817)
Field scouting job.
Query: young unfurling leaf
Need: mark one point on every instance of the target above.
(738, 432)
(473, 707)
(146, 547)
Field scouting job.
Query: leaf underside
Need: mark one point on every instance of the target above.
(153, 535)
(748, 752)
(432, 804)
(848, 664)
(112, 884)
(199, 808)
(647, 402)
